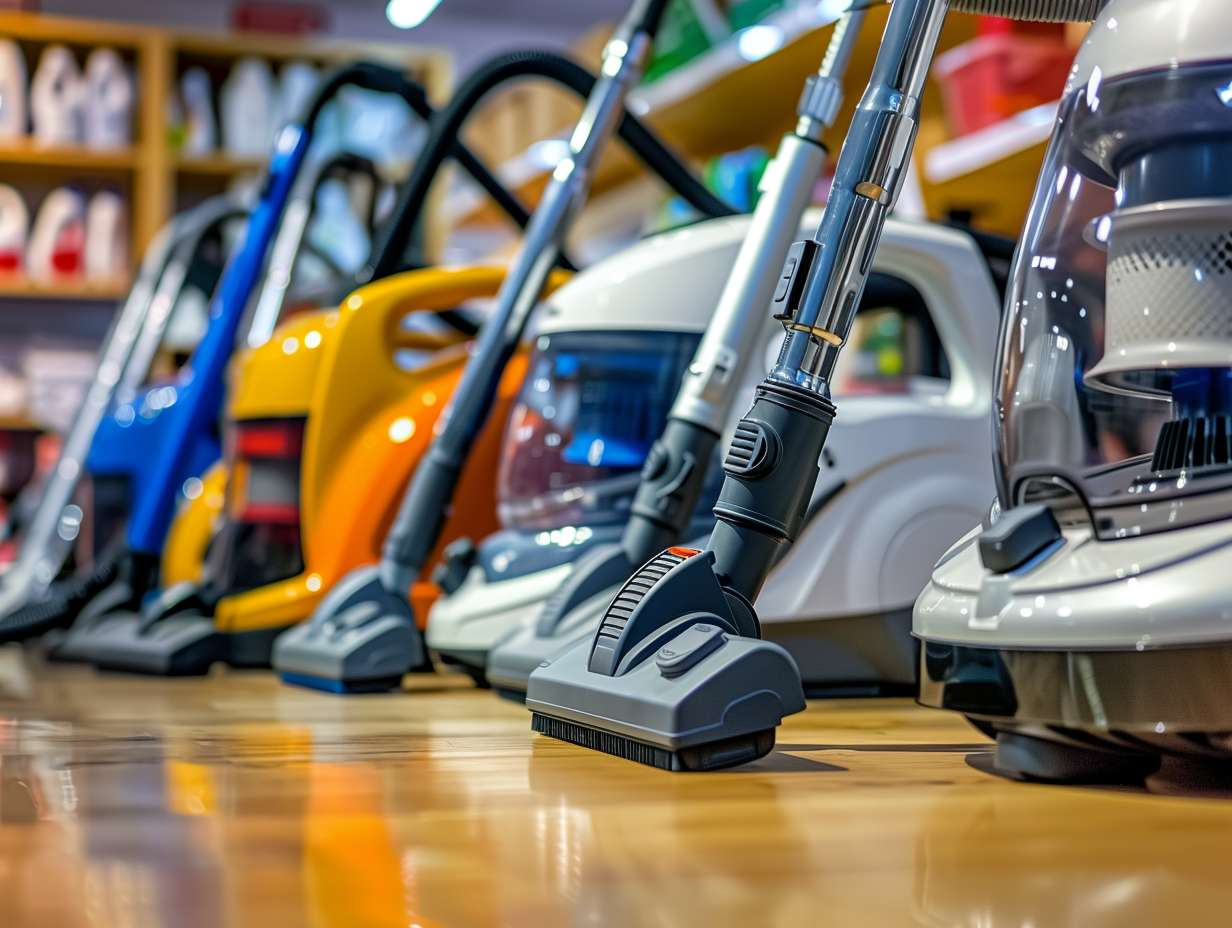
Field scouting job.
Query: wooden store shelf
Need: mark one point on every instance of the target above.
(151, 173)
(22, 289)
(29, 153)
(218, 165)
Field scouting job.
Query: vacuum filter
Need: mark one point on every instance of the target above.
(1169, 294)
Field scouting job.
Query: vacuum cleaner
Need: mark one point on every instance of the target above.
(68, 599)
(364, 634)
(169, 436)
(669, 492)
(125, 359)
(677, 675)
(1084, 625)
(293, 427)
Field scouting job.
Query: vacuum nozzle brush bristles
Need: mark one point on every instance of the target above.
(596, 740)
(715, 755)
(1046, 11)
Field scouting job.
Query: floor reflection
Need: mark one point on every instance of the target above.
(231, 801)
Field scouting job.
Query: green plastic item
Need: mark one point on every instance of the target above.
(680, 39)
(744, 13)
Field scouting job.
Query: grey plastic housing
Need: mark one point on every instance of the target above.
(179, 645)
(369, 634)
(741, 688)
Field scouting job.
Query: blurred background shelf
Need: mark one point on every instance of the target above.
(989, 175)
(23, 289)
(719, 102)
(28, 153)
(218, 165)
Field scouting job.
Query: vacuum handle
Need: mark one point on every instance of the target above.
(269, 300)
(677, 465)
(647, 15)
(424, 507)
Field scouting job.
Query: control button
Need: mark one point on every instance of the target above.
(688, 648)
(456, 562)
(1019, 535)
(789, 268)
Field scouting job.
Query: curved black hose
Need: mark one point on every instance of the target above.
(61, 602)
(448, 123)
(381, 78)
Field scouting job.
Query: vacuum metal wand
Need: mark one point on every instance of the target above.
(867, 181)
(408, 546)
(665, 502)
(772, 464)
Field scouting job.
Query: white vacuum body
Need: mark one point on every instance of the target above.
(1087, 624)
(908, 465)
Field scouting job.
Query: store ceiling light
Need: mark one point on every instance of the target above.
(756, 42)
(407, 14)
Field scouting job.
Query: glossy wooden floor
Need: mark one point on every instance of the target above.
(233, 801)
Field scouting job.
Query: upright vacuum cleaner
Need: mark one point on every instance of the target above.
(678, 463)
(171, 434)
(28, 591)
(677, 675)
(110, 630)
(294, 416)
(1085, 625)
(364, 635)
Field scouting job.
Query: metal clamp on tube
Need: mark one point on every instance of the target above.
(867, 181)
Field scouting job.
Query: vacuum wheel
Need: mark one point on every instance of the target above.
(983, 726)
(477, 675)
(1024, 757)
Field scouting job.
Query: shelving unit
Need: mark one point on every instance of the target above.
(23, 289)
(155, 180)
(28, 153)
(722, 101)
(148, 172)
(989, 174)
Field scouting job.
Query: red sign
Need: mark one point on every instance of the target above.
(279, 16)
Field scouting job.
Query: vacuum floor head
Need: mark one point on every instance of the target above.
(368, 642)
(704, 700)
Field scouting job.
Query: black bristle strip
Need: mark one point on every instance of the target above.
(616, 745)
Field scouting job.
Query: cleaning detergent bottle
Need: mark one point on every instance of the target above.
(109, 98)
(295, 87)
(57, 241)
(13, 113)
(106, 248)
(246, 108)
(197, 99)
(14, 227)
(57, 98)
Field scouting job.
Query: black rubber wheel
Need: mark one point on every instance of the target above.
(985, 728)
(1024, 757)
(477, 675)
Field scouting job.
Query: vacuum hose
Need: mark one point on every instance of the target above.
(450, 119)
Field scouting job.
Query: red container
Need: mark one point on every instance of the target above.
(997, 75)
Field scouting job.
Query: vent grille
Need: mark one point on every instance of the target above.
(1195, 443)
(1047, 11)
